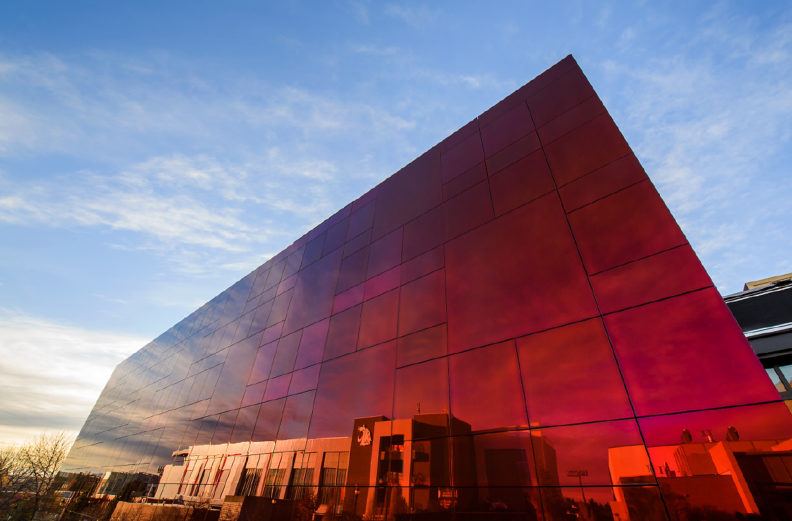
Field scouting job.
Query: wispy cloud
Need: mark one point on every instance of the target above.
(178, 203)
(707, 128)
(52, 373)
(417, 16)
(266, 172)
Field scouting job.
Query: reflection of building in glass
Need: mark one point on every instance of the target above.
(764, 311)
(413, 463)
(702, 478)
(518, 300)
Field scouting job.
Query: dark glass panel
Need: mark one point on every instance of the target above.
(424, 233)
(293, 262)
(242, 329)
(513, 153)
(346, 299)
(526, 277)
(360, 220)
(573, 118)
(468, 210)
(260, 316)
(277, 387)
(271, 334)
(312, 344)
(504, 503)
(353, 270)
(208, 382)
(313, 250)
(521, 182)
(354, 386)
(304, 379)
(286, 284)
(245, 422)
(275, 273)
(565, 92)
(507, 129)
(422, 303)
(503, 459)
(570, 375)
(675, 353)
(666, 274)
(225, 426)
(423, 345)
(496, 400)
(263, 363)
(468, 129)
(286, 354)
(313, 293)
(421, 389)
(254, 394)
(342, 333)
(279, 308)
(462, 156)
(357, 243)
(385, 253)
(259, 282)
(336, 236)
(268, 420)
(378, 319)
(205, 428)
(602, 182)
(296, 416)
(420, 266)
(603, 503)
(231, 384)
(465, 180)
(381, 283)
(588, 147)
(625, 226)
(407, 194)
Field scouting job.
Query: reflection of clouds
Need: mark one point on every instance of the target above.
(52, 373)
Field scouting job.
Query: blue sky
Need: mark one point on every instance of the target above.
(152, 153)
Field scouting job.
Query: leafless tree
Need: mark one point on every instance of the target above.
(27, 473)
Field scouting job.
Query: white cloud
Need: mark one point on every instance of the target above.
(52, 373)
(419, 16)
(712, 130)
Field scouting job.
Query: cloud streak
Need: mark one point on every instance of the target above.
(711, 141)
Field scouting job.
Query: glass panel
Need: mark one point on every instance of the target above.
(378, 319)
(496, 399)
(650, 279)
(422, 303)
(467, 210)
(421, 389)
(570, 375)
(731, 461)
(342, 333)
(608, 234)
(354, 386)
(588, 147)
(518, 292)
(521, 182)
(602, 182)
(672, 355)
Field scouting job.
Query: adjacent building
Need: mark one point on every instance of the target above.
(511, 326)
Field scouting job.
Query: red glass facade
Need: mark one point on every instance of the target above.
(511, 326)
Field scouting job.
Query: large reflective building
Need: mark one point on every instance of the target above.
(512, 326)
